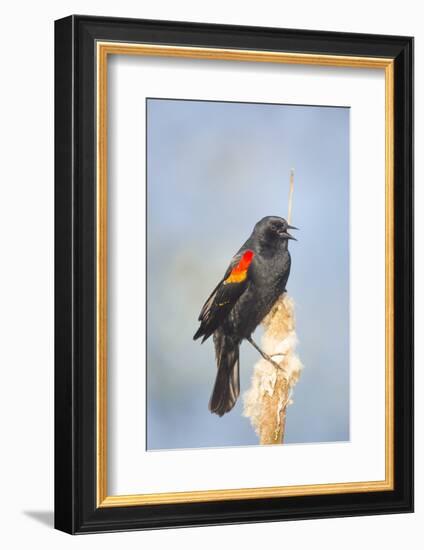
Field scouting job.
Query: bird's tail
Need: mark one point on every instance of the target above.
(227, 383)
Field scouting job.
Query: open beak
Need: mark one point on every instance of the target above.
(287, 235)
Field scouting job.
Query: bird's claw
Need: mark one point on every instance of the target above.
(276, 365)
(265, 355)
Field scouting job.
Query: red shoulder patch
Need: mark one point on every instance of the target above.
(239, 272)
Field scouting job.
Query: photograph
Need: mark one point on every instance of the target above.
(233, 273)
(247, 273)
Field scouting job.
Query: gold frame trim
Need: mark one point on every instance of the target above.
(119, 48)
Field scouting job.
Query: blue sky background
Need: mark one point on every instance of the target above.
(213, 170)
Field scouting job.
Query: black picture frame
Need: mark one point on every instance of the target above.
(76, 509)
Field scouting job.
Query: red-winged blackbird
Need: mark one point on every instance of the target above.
(255, 279)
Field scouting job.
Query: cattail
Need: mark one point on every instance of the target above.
(266, 402)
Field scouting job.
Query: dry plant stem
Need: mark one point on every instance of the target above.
(265, 403)
(273, 422)
(291, 191)
(274, 406)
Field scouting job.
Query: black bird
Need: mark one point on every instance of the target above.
(255, 279)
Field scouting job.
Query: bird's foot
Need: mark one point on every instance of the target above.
(270, 359)
(279, 355)
(265, 355)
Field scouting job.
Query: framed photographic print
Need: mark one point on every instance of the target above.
(234, 274)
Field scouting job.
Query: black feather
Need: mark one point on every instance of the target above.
(227, 383)
(220, 302)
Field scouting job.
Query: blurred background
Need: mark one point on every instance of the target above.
(213, 170)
